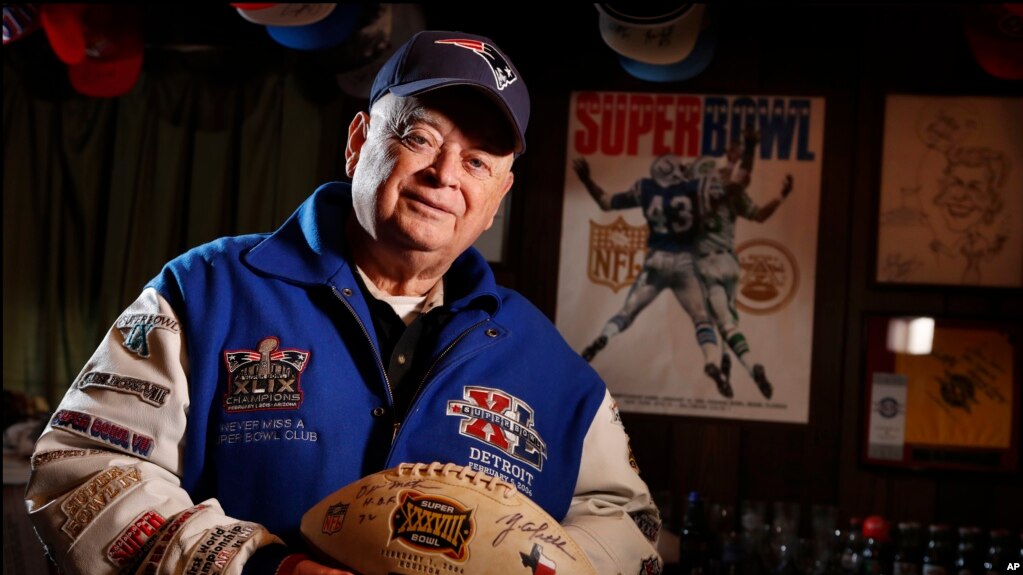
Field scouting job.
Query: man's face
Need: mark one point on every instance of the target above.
(965, 196)
(429, 172)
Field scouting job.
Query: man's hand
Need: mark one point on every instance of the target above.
(582, 169)
(786, 188)
(751, 136)
(310, 567)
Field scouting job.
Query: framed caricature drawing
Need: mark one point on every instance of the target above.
(951, 199)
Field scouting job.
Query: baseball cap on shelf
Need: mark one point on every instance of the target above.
(435, 59)
(327, 32)
(20, 20)
(661, 41)
(284, 14)
(995, 34)
(371, 45)
(63, 26)
(102, 45)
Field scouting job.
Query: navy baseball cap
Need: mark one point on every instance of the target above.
(434, 59)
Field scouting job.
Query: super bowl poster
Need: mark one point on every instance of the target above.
(688, 250)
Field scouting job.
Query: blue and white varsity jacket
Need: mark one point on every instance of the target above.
(245, 384)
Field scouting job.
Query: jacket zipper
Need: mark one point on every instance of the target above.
(461, 336)
(376, 355)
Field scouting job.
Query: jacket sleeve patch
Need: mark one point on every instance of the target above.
(108, 432)
(147, 391)
(85, 503)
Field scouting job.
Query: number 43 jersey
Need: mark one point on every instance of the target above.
(672, 212)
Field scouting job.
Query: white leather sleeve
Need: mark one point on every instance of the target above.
(613, 517)
(105, 493)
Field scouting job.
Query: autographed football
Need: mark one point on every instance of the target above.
(420, 519)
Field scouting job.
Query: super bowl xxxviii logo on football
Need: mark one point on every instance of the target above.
(688, 249)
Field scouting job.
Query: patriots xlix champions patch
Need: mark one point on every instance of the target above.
(264, 379)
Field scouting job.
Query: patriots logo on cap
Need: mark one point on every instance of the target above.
(503, 73)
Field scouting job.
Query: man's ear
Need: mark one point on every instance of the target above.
(509, 180)
(358, 131)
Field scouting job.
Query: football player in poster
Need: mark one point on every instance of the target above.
(717, 263)
(671, 205)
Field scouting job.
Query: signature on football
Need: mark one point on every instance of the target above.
(367, 490)
(516, 522)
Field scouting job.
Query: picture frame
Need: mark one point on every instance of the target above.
(948, 213)
(941, 394)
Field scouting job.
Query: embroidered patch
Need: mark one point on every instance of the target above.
(86, 502)
(264, 379)
(616, 416)
(501, 420)
(218, 547)
(651, 566)
(135, 329)
(106, 431)
(649, 525)
(154, 549)
(632, 457)
(134, 537)
(149, 392)
(43, 457)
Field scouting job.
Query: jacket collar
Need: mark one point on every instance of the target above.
(309, 248)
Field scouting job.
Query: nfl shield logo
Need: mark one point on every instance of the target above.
(334, 518)
(616, 255)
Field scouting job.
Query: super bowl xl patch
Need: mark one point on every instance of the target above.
(264, 379)
(500, 420)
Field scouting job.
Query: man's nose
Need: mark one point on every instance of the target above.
(446, 166)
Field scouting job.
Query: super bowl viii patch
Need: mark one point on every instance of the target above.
(135, 329)
(265, 378)
(147, 391)
(108, 432)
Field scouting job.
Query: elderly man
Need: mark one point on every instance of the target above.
(257, 374)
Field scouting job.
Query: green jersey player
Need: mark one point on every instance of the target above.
(717, 263)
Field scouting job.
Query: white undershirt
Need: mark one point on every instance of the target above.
(408, 307)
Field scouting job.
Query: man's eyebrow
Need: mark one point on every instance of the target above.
(421, 115)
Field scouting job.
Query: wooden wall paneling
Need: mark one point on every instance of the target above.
(912, 497)
(705, 457)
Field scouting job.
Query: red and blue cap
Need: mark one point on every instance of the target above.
(435, 59)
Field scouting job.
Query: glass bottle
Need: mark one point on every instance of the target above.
(907, 557)
(999, 552)
(694, 551)
(939, 557)
(851, 549)
(970, 552)
(725, 548)
(876, 555)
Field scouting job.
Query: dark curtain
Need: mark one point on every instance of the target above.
(99, 193)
